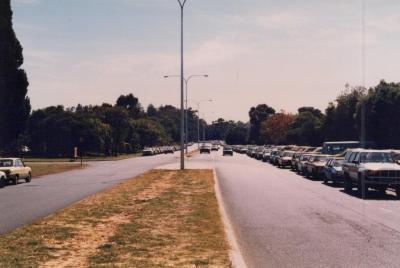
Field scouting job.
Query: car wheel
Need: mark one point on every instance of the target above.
(2, 182)
(29, 178)
(325, 178)
(15, 182)
(347, 184)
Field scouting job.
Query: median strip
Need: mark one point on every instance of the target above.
(162, 218)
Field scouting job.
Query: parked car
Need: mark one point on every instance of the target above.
(285, 160)
(314, 167)
(15, 170)
(227, 151)
(374, 169)
(169, 150)
(301, 164)
(266, 155)
(333, 170)
(148, 152)
(214, 147)
(205, 149)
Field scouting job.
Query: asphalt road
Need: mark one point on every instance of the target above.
(284, 220)
(26, 202)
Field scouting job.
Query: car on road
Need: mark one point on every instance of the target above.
(148, 152)
(314, 166)
(15, 170)
(266, 155)
(374, 169)
(215, 147)
(285, 160)
(333, 170)
(301, 163)
(227, 151)
(205, 149)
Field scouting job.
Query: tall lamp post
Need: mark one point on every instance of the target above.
(182, 6)
(198, 120)
(186, 80)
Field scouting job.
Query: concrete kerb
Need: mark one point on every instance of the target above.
(235, 253)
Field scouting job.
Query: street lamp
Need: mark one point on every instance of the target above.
(198, 120)
(182, 6)
(186, 80)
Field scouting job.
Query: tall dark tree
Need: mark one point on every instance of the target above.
(340, 123)
(258, 115)
(14, 103)
(131, 103)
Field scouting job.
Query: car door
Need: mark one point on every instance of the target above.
(328, 170)
(23, 174)
(353, 170)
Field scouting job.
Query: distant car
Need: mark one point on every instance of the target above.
(169, 150)
(333, 170)
(227, 151)
(266, 155)
(205, 149)
(15, 170)
(214, 147)
(148, 152)
(314, 167)
(286, 159)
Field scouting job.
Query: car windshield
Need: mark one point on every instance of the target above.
(376, 157)
(288, 154)
(6, 163)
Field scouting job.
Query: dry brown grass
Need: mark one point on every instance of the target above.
(47, 168)
(160, 219)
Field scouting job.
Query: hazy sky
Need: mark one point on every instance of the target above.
(286, 53)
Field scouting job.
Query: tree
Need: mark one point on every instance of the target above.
(131, 103)
(257, 116)
(382, 105)
(340, 122)
(237, 135)
(151, 110)
(14, 103)
(306, 128)
(275, 129)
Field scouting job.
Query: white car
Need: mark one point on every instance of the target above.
(14, 170)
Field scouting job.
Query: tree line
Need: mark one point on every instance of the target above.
(341, 121)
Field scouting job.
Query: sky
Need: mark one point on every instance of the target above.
(287, 53)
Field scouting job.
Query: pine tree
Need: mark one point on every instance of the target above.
(14, 103)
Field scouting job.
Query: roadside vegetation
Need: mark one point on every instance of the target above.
(47, 168)
(159, 219)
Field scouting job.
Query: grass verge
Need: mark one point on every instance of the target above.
(47, 168)
(159, 219)
(85, 159)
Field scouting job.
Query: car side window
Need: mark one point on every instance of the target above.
(347, 156)
(357, 158)
(352, 157)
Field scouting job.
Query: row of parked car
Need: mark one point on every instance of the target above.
(363, 169)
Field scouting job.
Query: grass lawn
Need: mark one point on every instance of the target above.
(159, 219)
(85, 159)
(47, 168)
